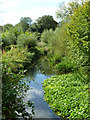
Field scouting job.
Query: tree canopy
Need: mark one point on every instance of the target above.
(66, 10)
(7, 27)
(25, 22)
(42, 23)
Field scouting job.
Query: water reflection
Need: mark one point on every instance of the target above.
(42, 109)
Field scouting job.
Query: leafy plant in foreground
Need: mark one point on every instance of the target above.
(67, 95)
(14, 91)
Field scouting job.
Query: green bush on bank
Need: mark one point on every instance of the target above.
(25, 40)
(62, 65)
(8, 38)
(18, 55)
(67, 95)
(55, 59)
(14, 90)
(66, 66)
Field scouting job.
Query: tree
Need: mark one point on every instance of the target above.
(8, 38)
(18, 29)
(44, 22)
(7, 27)
(79, 39)
(65, 11)
(33, 27)
(26, 41)
(25, 22)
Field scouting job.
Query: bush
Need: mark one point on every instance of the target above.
(46, 35)
(66, 66)
(67, 95)
(55, 60)
(13, 92)
(8, 38)
(18, 55)
(25, 40)
(58, 42)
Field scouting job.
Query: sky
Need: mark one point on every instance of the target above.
(12, 10)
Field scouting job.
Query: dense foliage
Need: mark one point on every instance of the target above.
(67, 95)
(8, 38)
(14, 90)
(25, 22)
(17, 55)
(78, 31)
(25, 40)
(66, 48)
(42, 23)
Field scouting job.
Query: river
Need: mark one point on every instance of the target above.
(39, 73)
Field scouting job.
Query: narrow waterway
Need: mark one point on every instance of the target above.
(42, 109)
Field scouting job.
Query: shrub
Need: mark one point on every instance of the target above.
(8, 38)
(25, 40)
(46, 35)
(13, 92)
(66, 65)
(17, 55)
(55, 60)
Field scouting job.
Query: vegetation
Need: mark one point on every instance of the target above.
(67, 95)
(65, 45)
(44, 22)
(25, 22)
(8, 38)
(14, 90)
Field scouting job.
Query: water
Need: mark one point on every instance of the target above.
(42, 109)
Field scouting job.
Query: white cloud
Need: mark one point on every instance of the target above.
(12, 10)
(33, 92)
(41, 113)
(38, 12)
(6, 4)
(9, 17)
(14, 16)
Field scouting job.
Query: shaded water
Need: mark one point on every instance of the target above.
(39, 73)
